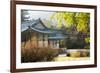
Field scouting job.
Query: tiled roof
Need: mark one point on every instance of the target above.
(33, 26)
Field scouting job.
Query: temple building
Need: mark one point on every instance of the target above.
(35, 34)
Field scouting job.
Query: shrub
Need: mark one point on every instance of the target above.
(78, 54)
(61, 51)
(85, 54)
(75, 54)
(38, 54)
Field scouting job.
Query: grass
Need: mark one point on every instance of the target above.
(70, 58)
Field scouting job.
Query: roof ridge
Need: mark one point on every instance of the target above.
(37, 21)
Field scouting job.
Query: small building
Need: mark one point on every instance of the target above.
(35, 34)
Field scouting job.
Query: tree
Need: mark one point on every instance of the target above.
(76, 23)
(24, 15)
(79, 19)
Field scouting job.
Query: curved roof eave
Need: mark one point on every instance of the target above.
(43, 31)
(57, 37)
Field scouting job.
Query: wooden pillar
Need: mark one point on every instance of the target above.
(54, 43)
(57, 43)
(40, 40)
(45, 40)
(51, 43)
(37, 40)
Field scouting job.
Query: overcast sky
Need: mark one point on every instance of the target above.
(40, 14)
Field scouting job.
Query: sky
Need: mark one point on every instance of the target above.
(43, 15)
(40, 14)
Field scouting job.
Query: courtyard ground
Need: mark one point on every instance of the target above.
(64, 58)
